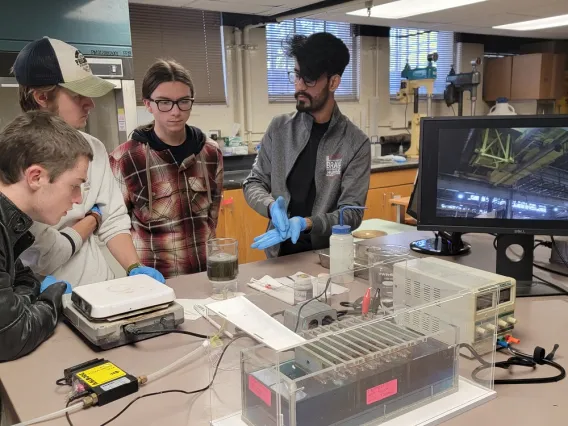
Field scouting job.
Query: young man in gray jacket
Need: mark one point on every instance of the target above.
(313, 162)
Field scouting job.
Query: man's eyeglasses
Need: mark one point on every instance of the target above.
(294, 78)
(166, 105)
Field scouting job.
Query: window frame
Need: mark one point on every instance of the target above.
(349, 89)
(443, 65)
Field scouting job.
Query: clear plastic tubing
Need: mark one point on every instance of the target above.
(69, 410)
(166, 370)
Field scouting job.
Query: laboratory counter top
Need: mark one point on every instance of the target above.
(380, 166)
(28, 388)
(234, 179)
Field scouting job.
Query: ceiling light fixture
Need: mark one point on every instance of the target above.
(536, 24)
(405, 8)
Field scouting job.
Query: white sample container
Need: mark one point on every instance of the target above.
(320, 284)
(303, 289)
(502, 107)
(341, 257)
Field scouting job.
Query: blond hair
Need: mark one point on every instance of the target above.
(28, 101)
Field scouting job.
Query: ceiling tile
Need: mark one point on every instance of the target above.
(491, 20)
(229, 6)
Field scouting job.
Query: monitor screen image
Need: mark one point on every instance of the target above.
(503, 173)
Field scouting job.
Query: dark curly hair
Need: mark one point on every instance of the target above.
(318, 54)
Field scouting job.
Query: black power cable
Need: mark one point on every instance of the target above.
(73, 399)
(177, 390)
(324, 292)
(521, 359)
(542, 280)
(552, 271)
(555, 248)
(135, 331)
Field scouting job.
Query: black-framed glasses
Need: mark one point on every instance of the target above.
(166, 105)
(294, 78)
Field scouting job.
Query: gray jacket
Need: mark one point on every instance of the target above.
(342, 172)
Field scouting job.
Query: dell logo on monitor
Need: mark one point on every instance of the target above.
(519, 231)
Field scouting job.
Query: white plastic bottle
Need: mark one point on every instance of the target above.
(341, 254)
(341, 251)
(502, 107)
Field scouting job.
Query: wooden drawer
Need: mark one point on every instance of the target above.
(392, 178)
(238, 220)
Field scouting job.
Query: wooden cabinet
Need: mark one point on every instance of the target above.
(376, 204)
(524, 77)
(383, 187)
(497, 78)
(238, 220)
(538, 76)
(394, 192)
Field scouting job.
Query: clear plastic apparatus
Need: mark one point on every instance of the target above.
(357, 372)
(387, 368)
(381, 261)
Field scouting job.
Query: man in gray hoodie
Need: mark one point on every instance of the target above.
(312, 162)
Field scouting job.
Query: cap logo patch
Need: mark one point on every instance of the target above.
(81, 61)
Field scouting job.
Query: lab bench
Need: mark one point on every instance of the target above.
(28, 388)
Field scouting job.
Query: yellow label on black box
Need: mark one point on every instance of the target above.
(101, 374)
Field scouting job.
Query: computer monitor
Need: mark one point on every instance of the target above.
(503, 175)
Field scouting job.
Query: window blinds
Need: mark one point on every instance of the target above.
(412, 45)
(191, 37)
(278, 64)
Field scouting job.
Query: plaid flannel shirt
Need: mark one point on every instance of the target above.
(172, 237)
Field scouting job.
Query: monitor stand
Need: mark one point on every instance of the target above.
(444, 244)
(521, 268)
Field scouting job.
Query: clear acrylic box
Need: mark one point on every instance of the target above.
(396, 364)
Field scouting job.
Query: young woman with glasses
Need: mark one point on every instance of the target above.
(171, 176)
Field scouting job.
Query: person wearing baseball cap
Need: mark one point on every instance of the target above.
(55, 76)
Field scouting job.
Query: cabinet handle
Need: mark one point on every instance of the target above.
(384, 199)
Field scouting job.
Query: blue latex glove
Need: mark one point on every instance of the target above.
(268, 239)
(297, 225)
(279, 216)
(50, 280)
(273, 237)
(96, 210)
(151, 272)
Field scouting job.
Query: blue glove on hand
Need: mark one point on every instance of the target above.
(97, 210)
(279, 216)
(151, 272)
(50, 280)
(297, 225)
(268, 239)
(273, 237)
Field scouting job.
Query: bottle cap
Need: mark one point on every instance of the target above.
(341, 229)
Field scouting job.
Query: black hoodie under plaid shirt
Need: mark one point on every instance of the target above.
(171, 223)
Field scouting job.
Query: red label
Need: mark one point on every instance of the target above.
(261, 391)
(378, 393)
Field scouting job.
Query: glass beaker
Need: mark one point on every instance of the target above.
(223, 266)
(381, 262)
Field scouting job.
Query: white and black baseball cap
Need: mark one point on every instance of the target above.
(48, 61)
